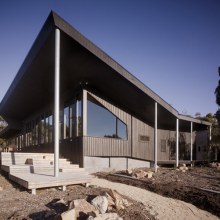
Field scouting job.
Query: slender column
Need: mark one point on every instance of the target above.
(155, 138)
(210, 139)
(77, 119)
(177, 142)
(56, 102)
(84, 112)
(191, 142)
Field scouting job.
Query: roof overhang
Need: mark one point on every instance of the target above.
(81, 61)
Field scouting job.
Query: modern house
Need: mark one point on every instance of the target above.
(69, 97)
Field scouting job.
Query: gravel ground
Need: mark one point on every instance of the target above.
(160, 207)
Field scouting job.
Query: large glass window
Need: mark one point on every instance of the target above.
(66, 122)
(79, 117)
(102, 123)
(121, 129)
(50, 128)
(42, 130)
(46, 129)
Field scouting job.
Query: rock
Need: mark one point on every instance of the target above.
(149, 174)
(129, 171)
(139, 174)
(82, 206)
(100, 203)
(111, 202)
(107, 216)
(1, 188)
(61, 201)
(50, 213)
(120, 203)
(213, 165)
(184, 168)
(68, 215)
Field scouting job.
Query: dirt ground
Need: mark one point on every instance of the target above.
(17, 204)
(175, 184)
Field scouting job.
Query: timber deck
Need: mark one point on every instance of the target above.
(34, 171)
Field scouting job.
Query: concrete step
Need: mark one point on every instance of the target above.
(21, 158)
(34, 161)
(40, 168)
(19, 169)
(46, 162)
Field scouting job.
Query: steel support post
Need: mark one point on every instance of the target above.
(84, 112)
(177, 142)
(191, 143)
(56, 102)
(155, 138)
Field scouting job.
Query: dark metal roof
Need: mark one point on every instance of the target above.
(81, 61)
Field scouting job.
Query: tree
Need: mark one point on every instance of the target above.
(215, 134)
(197, 115)
(3, 124)
(217, 94)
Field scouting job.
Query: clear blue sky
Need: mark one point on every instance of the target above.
(172, 46)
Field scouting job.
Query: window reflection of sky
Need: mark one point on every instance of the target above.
(102, 123)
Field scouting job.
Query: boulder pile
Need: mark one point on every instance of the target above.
(183, 168)
(140, 173)
(99, 208)
(214, 165)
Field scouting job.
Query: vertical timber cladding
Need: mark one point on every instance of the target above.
(142, 140)
(72, 150)
(95, 146)
(167, 145)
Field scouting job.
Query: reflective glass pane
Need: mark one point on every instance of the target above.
(79, 117)
(42, 130)
(101, 123)
(66, 123)
(50, 128)
(121, 130)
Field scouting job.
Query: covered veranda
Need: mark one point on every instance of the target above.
(60, 62)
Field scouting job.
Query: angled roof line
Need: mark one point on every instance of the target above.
(55, 21)
(195, 120)
(39, 41)
(61, 24)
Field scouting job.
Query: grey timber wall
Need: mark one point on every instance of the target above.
(170, 138)
(95, 146)
(142, 149)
